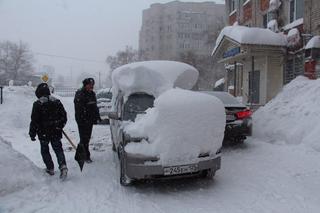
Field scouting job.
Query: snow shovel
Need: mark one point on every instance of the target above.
(69, 140)
(81, 154)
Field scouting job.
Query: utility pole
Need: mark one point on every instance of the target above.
(1, 95)
(235, 79)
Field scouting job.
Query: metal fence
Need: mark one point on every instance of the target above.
(65, 91)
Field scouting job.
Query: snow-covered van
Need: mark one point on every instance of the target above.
(150, 122)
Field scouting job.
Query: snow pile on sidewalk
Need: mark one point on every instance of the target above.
(153, 77)
(182, 125)
(17, 172)
(293, 115)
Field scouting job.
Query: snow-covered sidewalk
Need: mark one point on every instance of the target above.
(262, 175)
(255, 177)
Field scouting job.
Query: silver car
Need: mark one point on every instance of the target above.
(137, 167)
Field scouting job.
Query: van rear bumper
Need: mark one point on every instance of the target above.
(137, 169)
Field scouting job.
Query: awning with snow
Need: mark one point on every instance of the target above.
(237, 40)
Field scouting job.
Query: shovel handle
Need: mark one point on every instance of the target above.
(72, 144)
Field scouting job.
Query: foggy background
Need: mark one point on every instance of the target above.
(82, 29)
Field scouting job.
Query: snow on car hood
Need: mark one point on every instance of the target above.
(153, 77)
(182, 125)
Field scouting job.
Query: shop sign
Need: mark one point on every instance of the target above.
(231, 52)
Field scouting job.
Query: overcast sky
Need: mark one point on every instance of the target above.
(88, 29)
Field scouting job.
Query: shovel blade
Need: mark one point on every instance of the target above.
(81, 163)
(81, 155)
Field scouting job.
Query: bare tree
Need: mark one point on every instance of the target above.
(16, 61)
(204, 65)
(123, 57)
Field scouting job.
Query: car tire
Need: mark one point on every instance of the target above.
(124, 179)
(209, 173)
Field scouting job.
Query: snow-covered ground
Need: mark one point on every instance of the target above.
(266, 174)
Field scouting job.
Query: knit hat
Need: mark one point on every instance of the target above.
(42, 90)
(88, 81)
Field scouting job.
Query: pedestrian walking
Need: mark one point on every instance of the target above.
(47, 121)
(86, 114)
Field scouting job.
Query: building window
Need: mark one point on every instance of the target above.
(232, 5)
(296, 9)
(266, 18)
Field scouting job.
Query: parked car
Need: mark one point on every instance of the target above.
(137, 166)
(104, 97)
(238, 118)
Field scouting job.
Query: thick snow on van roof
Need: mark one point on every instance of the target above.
(153, 77)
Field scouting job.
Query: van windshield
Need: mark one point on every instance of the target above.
(137, 104)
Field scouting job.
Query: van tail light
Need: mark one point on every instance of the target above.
(244, 114)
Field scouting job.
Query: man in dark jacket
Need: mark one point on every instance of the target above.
(47, 121)
(86, 113)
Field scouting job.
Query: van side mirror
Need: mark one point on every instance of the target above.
(113, 115)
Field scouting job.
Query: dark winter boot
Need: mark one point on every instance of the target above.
(63, 172)
(89, 160)
(50, 171)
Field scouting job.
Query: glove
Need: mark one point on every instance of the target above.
(33, 138)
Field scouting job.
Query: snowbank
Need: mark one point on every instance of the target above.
(313, 43)
(153, 77)
(293, 115)
(181, 125)
(251, 35)
(17, 172)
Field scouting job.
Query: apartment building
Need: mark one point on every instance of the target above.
(177, 27)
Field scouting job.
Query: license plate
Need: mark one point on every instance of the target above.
(230, 117)
(176, 170)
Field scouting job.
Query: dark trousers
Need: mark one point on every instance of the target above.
(57, 148)
(85, 131)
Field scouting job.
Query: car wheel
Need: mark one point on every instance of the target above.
(209, 173)
(124, 179)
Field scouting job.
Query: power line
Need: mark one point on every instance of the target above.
(69, 57)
